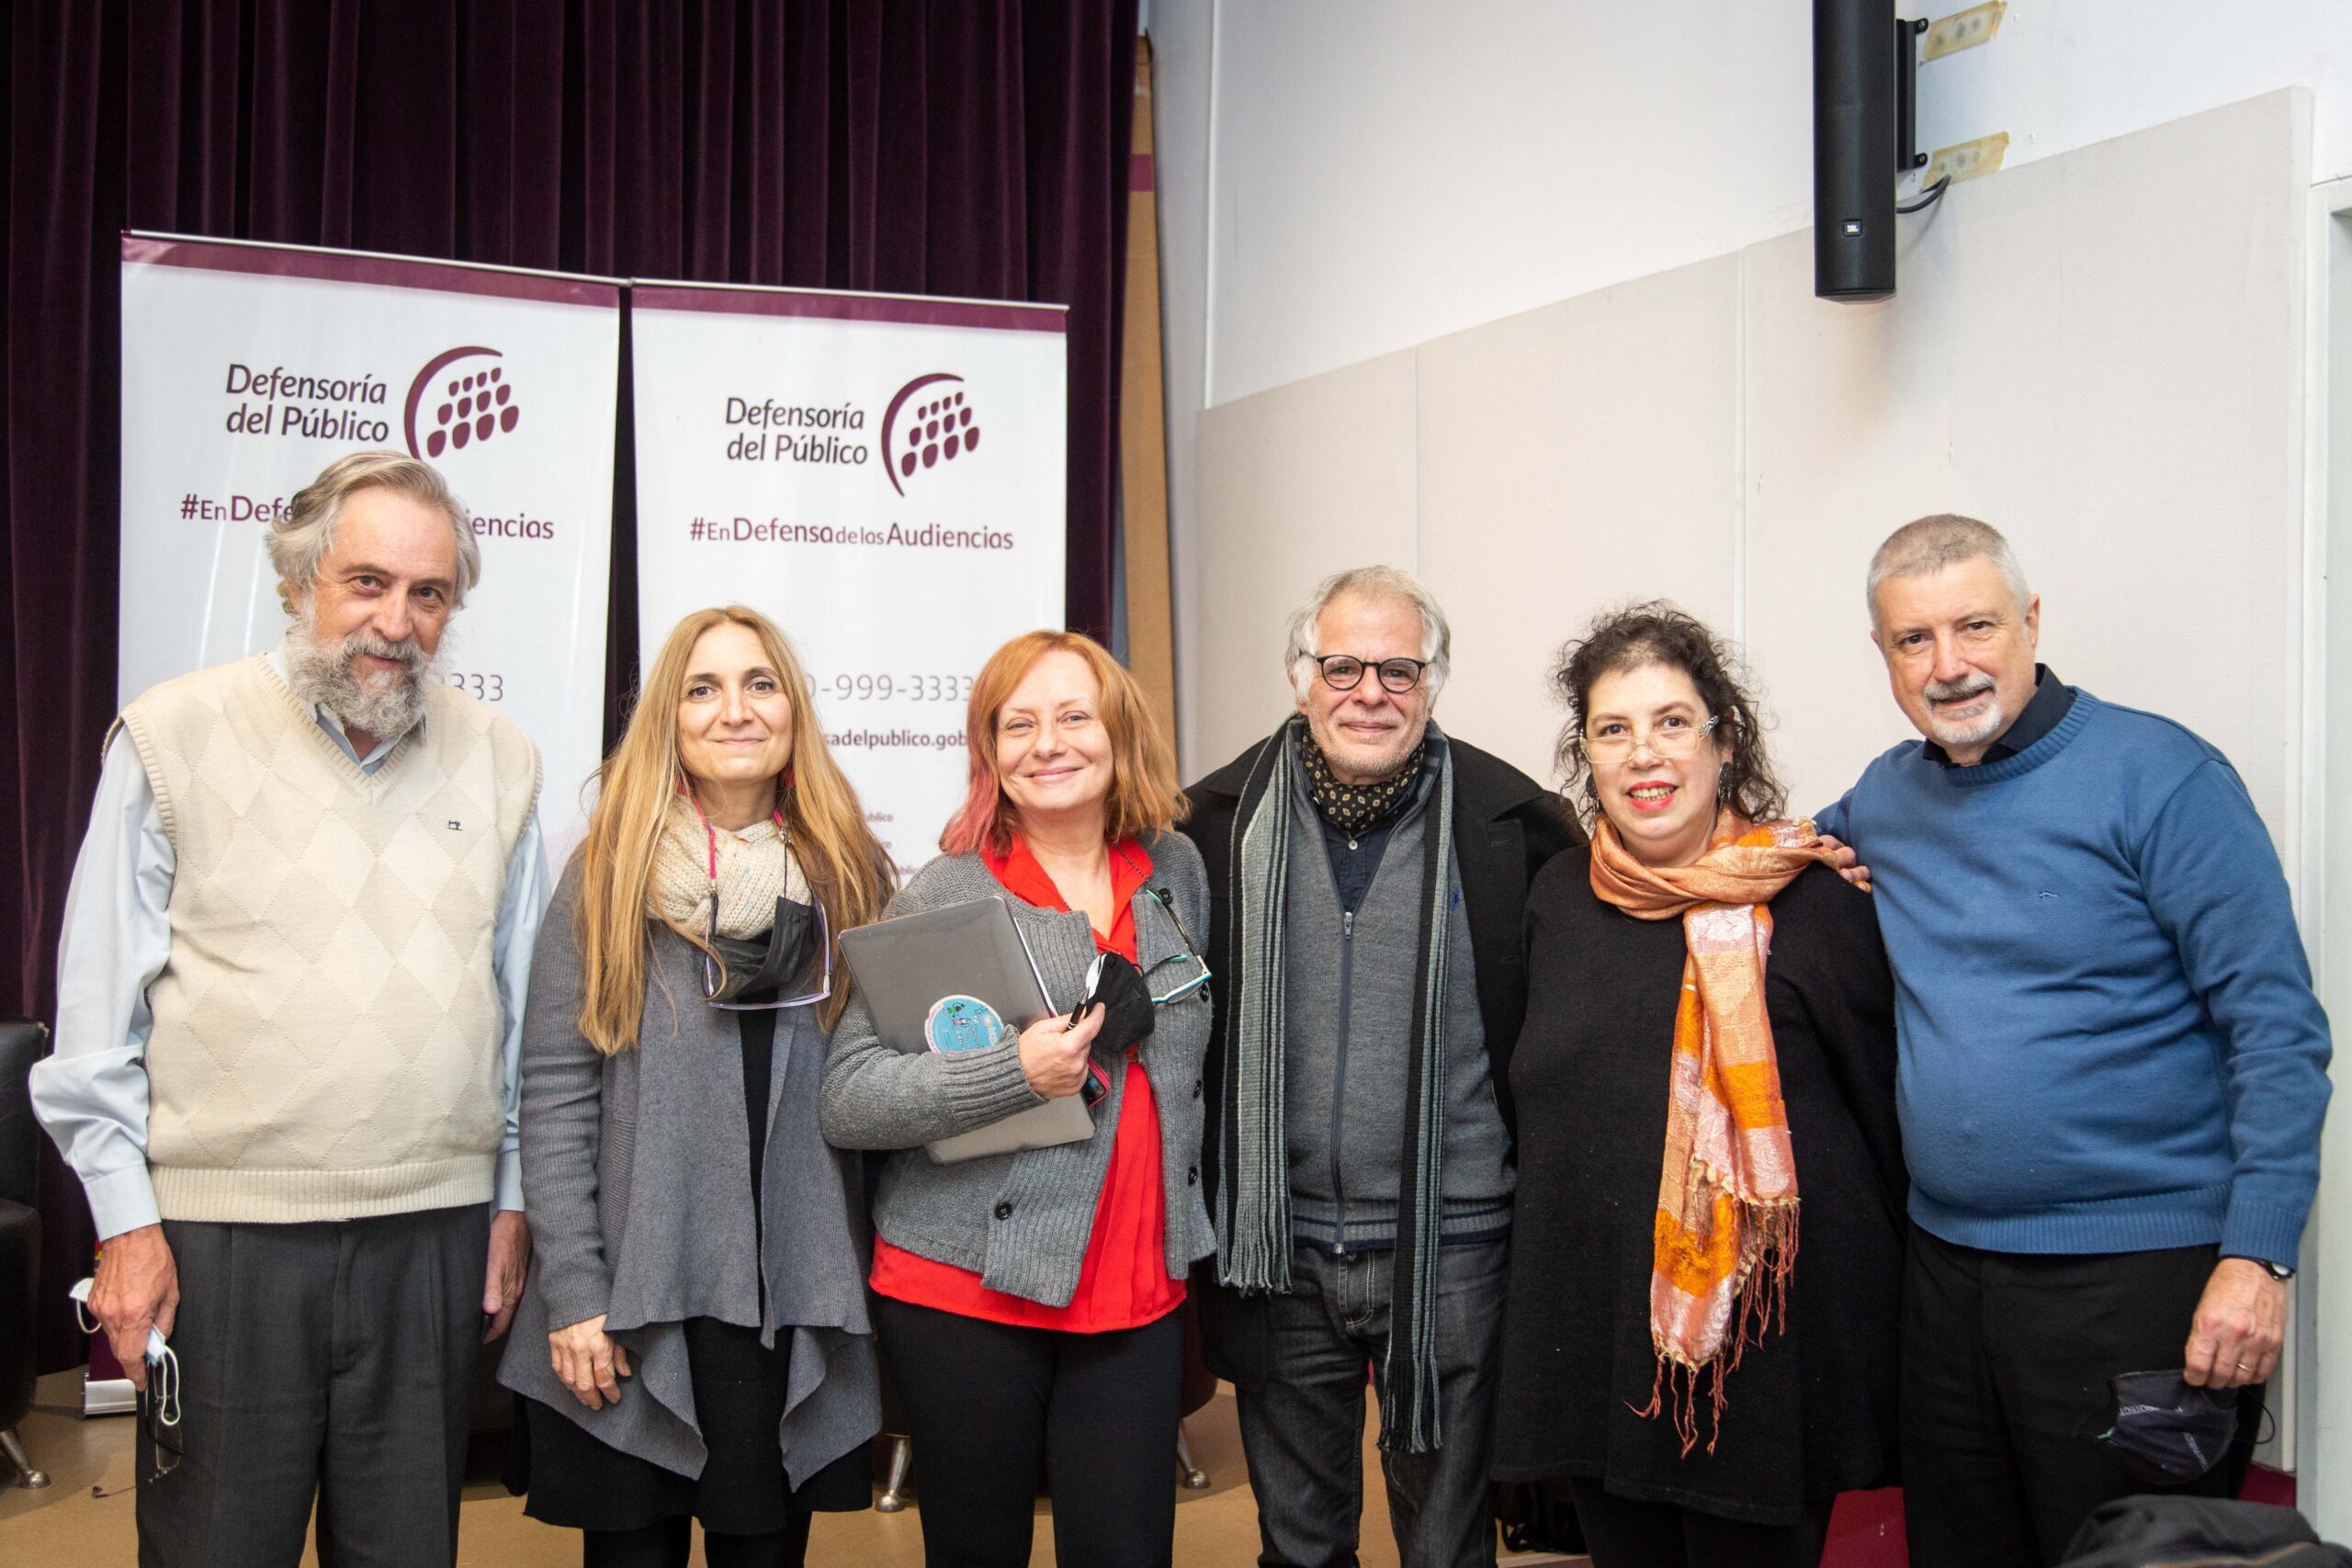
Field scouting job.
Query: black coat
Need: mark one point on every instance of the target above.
(1505, 827)
(1810, 1411)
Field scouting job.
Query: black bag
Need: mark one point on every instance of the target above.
(2209, 1532)
(1537, 1516)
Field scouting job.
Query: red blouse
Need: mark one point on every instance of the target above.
(1124, 1280)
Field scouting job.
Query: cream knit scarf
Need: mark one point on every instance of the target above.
(755, 868)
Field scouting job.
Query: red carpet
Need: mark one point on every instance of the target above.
(1867, 1529)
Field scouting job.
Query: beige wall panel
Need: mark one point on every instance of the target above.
(1570, 458)
(2099, 354)
(1296, 484)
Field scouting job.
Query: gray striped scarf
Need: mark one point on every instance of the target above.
(1253, 1224)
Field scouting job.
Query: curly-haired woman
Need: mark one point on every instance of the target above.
(1708, 1060)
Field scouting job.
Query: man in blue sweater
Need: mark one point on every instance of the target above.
(2113, 1069)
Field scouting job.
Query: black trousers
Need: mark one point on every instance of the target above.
(670, 1544)
(2007, 1361)
(1622, 1532)
(990, 1405)
(334, 1359)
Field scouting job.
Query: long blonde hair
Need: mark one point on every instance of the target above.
(845, 864)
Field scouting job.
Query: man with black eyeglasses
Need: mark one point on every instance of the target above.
(1367, 876)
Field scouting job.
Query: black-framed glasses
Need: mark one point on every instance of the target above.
(159, 1401)
(1345, 672)
(159, 1419)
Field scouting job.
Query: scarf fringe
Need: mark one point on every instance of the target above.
(1726, 1236)
(1759, 1306)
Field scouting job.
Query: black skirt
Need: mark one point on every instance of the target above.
(580, 1481)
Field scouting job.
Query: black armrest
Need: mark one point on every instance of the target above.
(22, 1043)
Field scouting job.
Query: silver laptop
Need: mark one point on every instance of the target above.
(960, 978)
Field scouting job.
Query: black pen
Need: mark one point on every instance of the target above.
(1093, 979)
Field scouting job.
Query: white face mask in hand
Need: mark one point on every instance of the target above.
(163, 1361)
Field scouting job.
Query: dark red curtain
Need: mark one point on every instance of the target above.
(961, 147)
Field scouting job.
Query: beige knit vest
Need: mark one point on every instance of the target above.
(327, 1042)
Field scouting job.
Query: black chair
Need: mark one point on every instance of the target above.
(21, 1045)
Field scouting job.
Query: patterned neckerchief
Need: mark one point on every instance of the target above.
(1360, 808)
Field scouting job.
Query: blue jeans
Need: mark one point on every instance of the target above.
(1303, 1432)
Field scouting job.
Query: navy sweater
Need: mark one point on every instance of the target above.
(2108, 1039)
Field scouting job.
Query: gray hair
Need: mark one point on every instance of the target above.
(1930, 544)
(300, 537)
(1369, 582)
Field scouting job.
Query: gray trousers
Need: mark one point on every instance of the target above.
(1303, 1432)
(327, 1360)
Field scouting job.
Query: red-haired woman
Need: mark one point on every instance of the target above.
(1028, 1302)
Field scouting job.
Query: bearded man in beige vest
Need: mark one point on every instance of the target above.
(289, 988)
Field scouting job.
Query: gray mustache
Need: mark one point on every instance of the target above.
(1951, 691)
(410, 654)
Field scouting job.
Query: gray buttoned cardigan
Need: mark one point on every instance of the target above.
(1022, 1221)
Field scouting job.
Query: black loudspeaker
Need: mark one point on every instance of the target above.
(1861, 76)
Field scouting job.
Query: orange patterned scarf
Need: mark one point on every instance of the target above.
(1726, 1226)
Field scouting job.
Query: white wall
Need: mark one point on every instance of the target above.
(2102, 352)
(1343, 180)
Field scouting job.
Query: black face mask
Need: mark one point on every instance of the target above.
(1128, 1018)
(766, 963)
(2168, 1432)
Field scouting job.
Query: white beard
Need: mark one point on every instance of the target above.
(1975, 731)
(386, 706)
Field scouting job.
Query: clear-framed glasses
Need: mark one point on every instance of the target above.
(712, 980)
(1183, 989)
(1191, 954)
(1670, 736)
(1345, 672)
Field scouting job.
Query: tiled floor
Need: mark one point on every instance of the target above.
(68, 1526)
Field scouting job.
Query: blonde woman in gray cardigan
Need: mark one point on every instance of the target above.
(1028, 1304)
(687, 1350)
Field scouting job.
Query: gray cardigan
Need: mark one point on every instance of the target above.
(1022, 1221)
(640, 1204)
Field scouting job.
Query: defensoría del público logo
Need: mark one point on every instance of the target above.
(460, 399)
(929, 423)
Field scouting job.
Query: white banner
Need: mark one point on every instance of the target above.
(883, 476)
(248, 369)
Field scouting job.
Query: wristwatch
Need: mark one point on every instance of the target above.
(2280, 1272)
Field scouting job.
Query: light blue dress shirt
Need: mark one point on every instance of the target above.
(90, 1093)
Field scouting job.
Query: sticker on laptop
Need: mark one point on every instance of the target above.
(962, 1023)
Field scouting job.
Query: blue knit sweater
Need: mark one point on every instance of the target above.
(2108, 1039)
